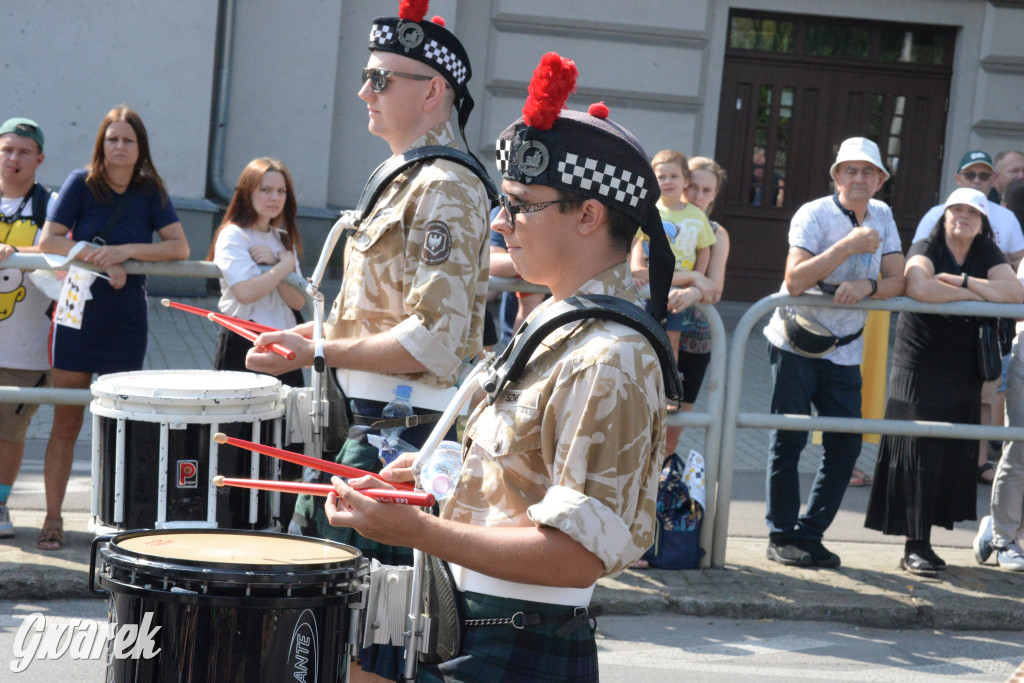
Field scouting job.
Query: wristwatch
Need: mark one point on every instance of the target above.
(874, 286)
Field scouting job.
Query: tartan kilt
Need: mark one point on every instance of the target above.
(505, 653)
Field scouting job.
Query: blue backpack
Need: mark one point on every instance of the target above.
(678, 521)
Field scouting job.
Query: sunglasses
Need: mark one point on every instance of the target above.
(512, 209)
(379, 77)
(983, 176)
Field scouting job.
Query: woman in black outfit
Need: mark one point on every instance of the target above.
(923, 482)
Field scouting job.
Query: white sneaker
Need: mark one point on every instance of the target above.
(1011, 557)
(983, 541)
(6, 528)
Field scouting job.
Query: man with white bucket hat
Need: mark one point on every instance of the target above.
(845, 245)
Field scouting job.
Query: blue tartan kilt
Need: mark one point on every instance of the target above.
(505, 653)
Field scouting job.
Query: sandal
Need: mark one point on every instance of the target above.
(982, 470)
(858, 478)
(51, 536)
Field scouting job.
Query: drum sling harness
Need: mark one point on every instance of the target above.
(510, 365)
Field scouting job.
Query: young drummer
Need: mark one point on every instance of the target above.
(561, 470)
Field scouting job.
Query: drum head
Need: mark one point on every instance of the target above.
(237, 550)
(223, 548)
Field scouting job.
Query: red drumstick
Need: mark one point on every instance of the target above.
(251, 335)
(417, 498)
(305, 460)
(206, 314)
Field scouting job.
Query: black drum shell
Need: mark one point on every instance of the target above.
(232, 622)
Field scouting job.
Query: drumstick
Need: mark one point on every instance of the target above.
(206, 314)
(251, 335)
(305, 460)
(417, 498)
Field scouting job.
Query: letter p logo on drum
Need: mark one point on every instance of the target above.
(188, 474)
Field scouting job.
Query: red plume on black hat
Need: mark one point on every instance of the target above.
(553, 80)
(413, 10)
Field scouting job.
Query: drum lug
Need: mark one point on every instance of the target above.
(92, 563)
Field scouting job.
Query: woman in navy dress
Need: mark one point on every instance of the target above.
(113, 206)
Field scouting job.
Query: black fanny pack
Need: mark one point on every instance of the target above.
(812, 339)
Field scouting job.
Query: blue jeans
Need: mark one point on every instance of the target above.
(834, 390)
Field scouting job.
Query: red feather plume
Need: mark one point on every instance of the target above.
(413, 10)
(553, 80)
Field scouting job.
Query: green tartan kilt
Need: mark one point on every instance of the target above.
(505, 653)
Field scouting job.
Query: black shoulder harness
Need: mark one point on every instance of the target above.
(390, 169)
(510, 365)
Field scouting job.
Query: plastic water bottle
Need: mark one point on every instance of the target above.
(391, 444)
(442, 469)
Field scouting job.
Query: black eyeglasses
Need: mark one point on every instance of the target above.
(512, 209)
(379, 77)
(983, 176)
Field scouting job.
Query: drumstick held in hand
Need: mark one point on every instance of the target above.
(417, 498)
(305, 460)
(206, 314)
(250, 335)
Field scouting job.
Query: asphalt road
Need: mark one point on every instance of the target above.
(669, 648)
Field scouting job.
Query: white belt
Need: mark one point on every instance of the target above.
(469, 580)
(376, 387)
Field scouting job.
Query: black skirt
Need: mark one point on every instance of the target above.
(922, 482)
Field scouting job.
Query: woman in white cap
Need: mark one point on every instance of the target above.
(924, 482)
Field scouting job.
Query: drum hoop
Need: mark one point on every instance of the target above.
(115, 386)
(351, 595)
(200, 570)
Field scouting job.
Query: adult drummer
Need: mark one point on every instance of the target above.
(413, 295)
(560, 473)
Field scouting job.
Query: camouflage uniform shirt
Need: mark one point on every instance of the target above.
(418, 266)
(576, 443)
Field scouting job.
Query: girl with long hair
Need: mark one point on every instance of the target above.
(258, 230)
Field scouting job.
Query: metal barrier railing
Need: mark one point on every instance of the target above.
(714, 380)
(722, 384)
(733, 419)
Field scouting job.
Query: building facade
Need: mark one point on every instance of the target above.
(769, 88)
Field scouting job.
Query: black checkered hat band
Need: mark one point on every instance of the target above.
(381, 35)
(446, 60)
(503, 152)
(617, 184)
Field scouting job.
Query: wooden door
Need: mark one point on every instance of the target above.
(782, 117)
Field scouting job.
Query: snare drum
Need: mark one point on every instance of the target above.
(229, 605)
(154, 458)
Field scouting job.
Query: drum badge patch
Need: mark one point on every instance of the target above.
(437, 246)
(188, 474)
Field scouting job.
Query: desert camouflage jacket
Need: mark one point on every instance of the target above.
(577, 443)
(418, 266)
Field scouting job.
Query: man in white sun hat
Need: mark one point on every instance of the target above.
(838, 245)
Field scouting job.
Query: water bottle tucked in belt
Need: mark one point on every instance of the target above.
(441, 471)
(391, 444)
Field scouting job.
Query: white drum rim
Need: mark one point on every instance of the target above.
(188, 396)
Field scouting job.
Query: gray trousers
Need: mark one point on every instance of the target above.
(1008, 486)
